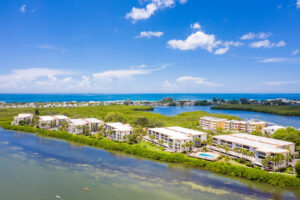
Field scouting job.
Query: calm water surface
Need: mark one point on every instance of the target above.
(277, 119)
(137, 97)
(38, 168)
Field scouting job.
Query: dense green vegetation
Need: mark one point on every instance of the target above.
(288, 134)
(137, 117)
(287, 110)
(124, 113)
(143, 150)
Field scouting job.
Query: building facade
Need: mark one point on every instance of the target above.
(23, 118)
(118, 131)
(253, 148)
(77, 126)
(175, 138)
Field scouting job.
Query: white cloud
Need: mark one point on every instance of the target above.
(196, 26)
(295, 52)
(195, 80)
(267, 44)
(154, 5)
(202, 40)
(125, 74)
(250, 36)
(182, 1)
(22, 78)
(169, 86)
(43, 80)
(149, 34)
(280, 60)
(226, 47)
(195, 40)
(46, 46)
(279, 83)
(23, 8)
(50, 47)
(298, 4)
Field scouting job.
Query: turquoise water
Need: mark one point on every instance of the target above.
(206, 155)
(135, 97)
(277, 119)
(38, 168)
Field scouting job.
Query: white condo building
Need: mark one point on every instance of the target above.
(175, 137)
(270, 130)
(25, 118)
(94, 124)
(77, 126)
(60, 118)
(47, 122)
(119, 130)
(259, 146)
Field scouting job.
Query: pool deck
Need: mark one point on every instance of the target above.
(197, 155)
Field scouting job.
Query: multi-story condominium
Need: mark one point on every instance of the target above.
(47, 122)
(240, 126)
(175, 138)
(270, 130)
(60, 118)
(255, 125)
(259, 148)
(118, 131)
(77, 126)
(23, 118)
(212, 123)
(94, 124)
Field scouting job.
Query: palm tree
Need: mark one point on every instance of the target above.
(152, 137)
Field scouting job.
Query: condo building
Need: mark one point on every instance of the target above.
(94, 124)
(47, 122)
(118, 130)
(270, 130)
(259, 146)
(175, 138)
(77, 126)
(212, 123)
(23, 118)
(60, 119)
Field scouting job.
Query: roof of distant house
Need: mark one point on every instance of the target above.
(22, 115)
(77, 122)
(175, 135)
(61, 117)
(120, 126)
(46, 118)
(93, 120)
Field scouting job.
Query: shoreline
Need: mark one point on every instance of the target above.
(256, 175)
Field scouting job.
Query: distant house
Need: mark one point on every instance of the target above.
(119, 131)
(60, 118)
(270, 130)
(175, 138)
(248, 126)
(77, 126)
(47, 122)
(93, 124)
(211, 123)
(23, 118)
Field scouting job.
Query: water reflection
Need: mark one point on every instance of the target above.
(49, 163)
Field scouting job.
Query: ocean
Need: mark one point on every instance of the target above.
(20, 98)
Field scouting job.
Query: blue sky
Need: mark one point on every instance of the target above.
(150, 46)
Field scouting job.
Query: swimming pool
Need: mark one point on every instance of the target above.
(206, 155)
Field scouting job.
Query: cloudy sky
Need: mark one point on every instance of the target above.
(145, 46)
